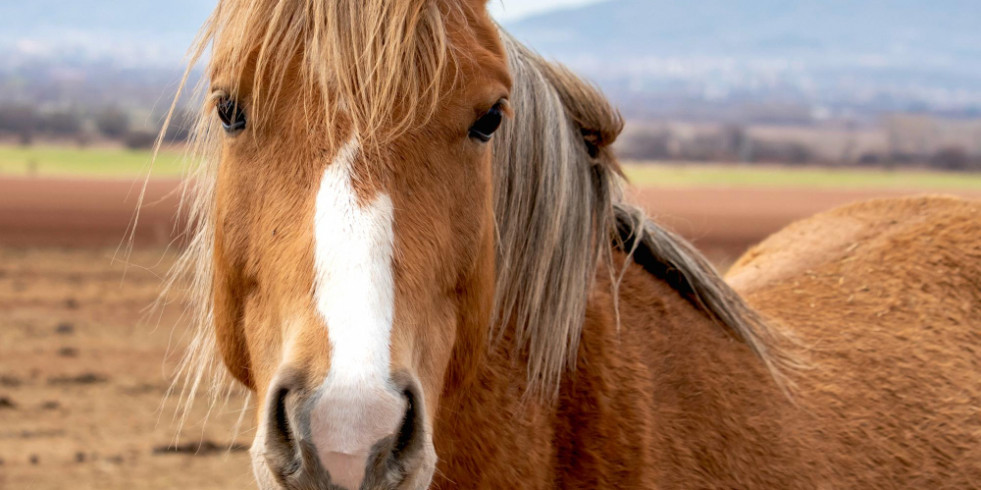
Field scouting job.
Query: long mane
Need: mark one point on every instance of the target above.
(561, 215)
(558, 201)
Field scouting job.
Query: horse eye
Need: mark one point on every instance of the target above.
(231, 114)
(488, 124)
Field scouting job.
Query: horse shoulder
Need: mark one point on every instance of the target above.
(667, 399)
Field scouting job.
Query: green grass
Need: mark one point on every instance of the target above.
(68, 161)
(717, 175)
(103, 162)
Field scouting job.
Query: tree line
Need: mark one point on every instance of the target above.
(734, 143)
(25, 123)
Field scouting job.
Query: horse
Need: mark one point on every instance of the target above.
(409, 241)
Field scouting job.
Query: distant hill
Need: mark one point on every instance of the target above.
(902, 53)
(890, 28)
(656, 57)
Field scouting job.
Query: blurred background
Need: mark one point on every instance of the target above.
(742, 116)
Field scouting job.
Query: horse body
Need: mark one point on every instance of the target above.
(670, 400)
(409, 242)
(666, 400)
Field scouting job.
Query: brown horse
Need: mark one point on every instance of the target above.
(410, 244)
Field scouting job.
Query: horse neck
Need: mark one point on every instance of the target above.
(666, 390)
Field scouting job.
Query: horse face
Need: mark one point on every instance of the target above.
(350, 269)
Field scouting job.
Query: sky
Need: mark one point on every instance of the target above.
(512, 9)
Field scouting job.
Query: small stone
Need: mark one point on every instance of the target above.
(81, 379)
(68, 352)
(34, 459)
(80, 457)
(65, 328)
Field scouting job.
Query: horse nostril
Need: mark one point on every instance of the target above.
(290, 458)
(280, 418)
(404, 453)
(408, 444)
(410, 424)
(282, 451)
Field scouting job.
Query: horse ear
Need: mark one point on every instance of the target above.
(599, 122)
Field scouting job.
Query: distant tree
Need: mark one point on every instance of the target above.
(19, 120)
(648, 144)
(736, 144)
(26, 138)
(112, 122)
(140, 140)
(951, 158)
(706, 147)
(61, 123)
(871, 159)
(903, 159)
(783, 152)
(84, 137)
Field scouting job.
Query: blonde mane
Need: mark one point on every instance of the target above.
(559, 209)
(349, 57)
(561, 215)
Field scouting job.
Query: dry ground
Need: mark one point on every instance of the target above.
(84, 372)
(83, 378)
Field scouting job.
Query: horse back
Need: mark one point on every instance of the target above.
(884, 299)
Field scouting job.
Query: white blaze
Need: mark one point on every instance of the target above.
(355, 294)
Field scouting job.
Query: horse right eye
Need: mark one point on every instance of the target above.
(231, 114)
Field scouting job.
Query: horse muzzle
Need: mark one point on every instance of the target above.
(344, 436)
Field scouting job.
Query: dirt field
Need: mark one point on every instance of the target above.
(83, 375)
(84, 372)
(74, 213)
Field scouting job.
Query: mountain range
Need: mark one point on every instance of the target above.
(896, 54)
(831, 54)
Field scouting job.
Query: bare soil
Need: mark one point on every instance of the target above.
(74, 213)
(84, 370)
(84, 373)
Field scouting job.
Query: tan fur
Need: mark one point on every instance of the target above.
(519, 270)
(888, 301)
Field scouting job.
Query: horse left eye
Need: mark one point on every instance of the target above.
(488, 124)
(231, 114)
